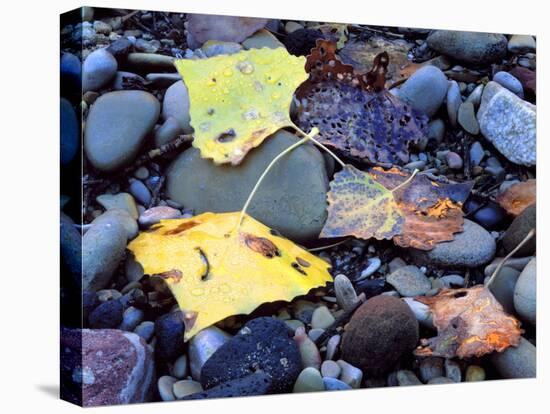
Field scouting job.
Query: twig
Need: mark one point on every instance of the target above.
(497, 270)
(316, 249)
(332, 154)
(407, 181)
(157, 152)
(156, 192)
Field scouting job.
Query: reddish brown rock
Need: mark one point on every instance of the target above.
(380, 331)
(116, 368)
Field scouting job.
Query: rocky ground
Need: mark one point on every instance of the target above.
(479, 90)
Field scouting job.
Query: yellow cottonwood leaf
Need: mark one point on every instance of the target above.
(238, 100)
(214, 271)
(359, 206)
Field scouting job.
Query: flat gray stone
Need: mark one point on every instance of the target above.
(117, 125)
(470, 47)
(409, 281)
(471, 248)
(291, 199)
(467, 118)
(509, 123)
(525, 293)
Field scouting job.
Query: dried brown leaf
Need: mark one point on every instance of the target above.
(470, 323)
(518, 197)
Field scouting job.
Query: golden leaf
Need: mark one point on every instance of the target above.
(214, 271)
(470, 322)
(361, 207)
(518, 197)
(238, 100)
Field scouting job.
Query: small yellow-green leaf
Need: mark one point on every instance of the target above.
(214, 271)
(238, 100)
(361, 207)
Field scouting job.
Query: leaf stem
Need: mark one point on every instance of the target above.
(307, 137)
(328, 246)
(332, 154)
(497, 270)
(407, 181)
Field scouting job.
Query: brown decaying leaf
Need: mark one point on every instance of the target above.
(470, 323)
(353, 111)
(432, 211)
(518, 197)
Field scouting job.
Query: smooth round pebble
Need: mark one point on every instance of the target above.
(98, 70)
(330, 369)
(453, 101)
(510, 82)
(430, 368)
(345, 292)
(440, 380)
(155, 214)
(184, 388)
(176, 105)
(475, 373)
(333, 384)
(409, 281)
(525, 293)
(425, 90)
(106, 315)
(140, 192)
(321, 318)
(309, 380)
(452, 370)
(146, 330)
(467, 118)
(165, 384)
(180, 367)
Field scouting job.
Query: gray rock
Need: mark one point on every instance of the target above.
(517, 263)
(131, 319)
(123, 201)
(517, 362)
(475, 373)
(155, 214)
(291, 199)
(321, 318)
(510, 82)
(467, 118)
(436, 130)
(176, 105)
(146, 330)
(150, 62)
(145, 46)
(454, 161)
(476, 153)
(440, 380)
(70, 132)
(518, 230)
(525, 293)
(330, 369)
(475, 96)
(117, 125)
(471, 248)
(165, 384)
(184, 388)
(409, 281)
(430, 368)
(98, 70)
(163, 80)
(503, 287)
(470, 47)
(522, 44)
(332, 346)
(345, 292)
(425, 90)
(71, 247)
(333, 384)
(509, 123)
(202, 346)
(262, 38)
(180, 367)
(120, 48)
(450, 281)
(452, 370)
(140, 192)
(215, 48)
(351, 375)
(454, 99)
(309, 380)
(167, 132)
(406, 378)
(122, 217)
(102, 250)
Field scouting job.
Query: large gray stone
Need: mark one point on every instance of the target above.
(425, 90)
(518, 230)
(117, 125)
(102, 250)
(97, 70)
(525, 293)
(509, 123)
(471, 248)
(470, 47)
(291, 199)
(517, 362)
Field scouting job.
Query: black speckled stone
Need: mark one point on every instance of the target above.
(169, 330)
(263, 344)
(254, 384)
(107, 315)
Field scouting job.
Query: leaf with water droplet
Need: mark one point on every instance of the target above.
(242, 98)
(214, 271)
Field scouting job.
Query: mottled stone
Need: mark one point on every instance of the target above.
(409, 281)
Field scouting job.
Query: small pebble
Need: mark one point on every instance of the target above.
(141, 173)
(330, 369)
(165, 384)
(105, 295)
(510, 82)
(467, 118)
(350, 375)
(308, 350)
(131, 319)
(155, 214)
(431, 367)
(453, 101)
(454, 161)
(407, 378)
(452, 370)
(140, 192)
(333, 384)
(184, 388)
(332, 346)
(396, 263)
(322, 318)
(146, 330)
(106, 315)
(294, 324)
(475, 373)
(440, 380)
(309, 380)
(476, 153)
(452, 281)
(345, 292)
(180, 367)
(315, 333)
(373, 266)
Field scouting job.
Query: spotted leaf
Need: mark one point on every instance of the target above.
(239, 100)
(214, 271)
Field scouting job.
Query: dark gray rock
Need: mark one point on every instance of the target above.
(107, 315)
(510, 82)
(70, 132)
(254, 384)
(517, 362)
(503, 287)
(430, 368)
(71, 71)
(291, 199)
(471, 248)
(71, 248)
(409, 281)
(470, 47)
(525, 293)
(262, 344)
(169, 330)
(518, 230)
(333, 384)
(117, 125)
(120, 48)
